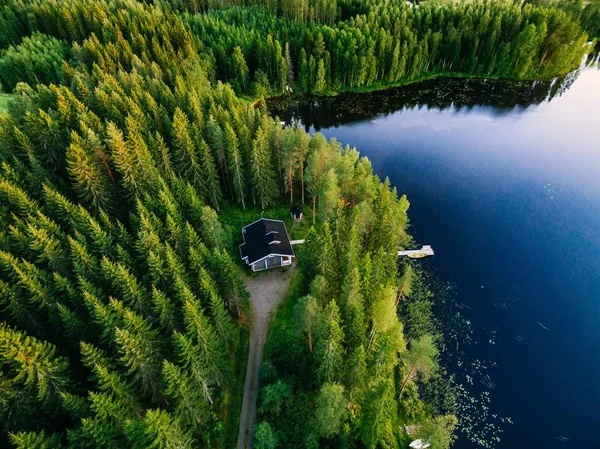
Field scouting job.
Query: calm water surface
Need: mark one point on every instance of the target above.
(504, 183)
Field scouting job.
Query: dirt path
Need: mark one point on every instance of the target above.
(266, 290)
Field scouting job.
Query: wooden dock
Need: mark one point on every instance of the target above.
(426, 250)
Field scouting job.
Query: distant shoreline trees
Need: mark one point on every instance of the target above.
(391, 42)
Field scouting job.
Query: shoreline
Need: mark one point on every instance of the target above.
(285, 101)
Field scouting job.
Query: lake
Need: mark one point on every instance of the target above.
(504, 183)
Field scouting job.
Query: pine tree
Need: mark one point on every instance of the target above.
(289, 66)
(289, 160)
(129, 287)
(100, 431)
(354, 313)
(393, 73)
(331, 409)
(162, 155)
(109, 380)
(236, 170)
(191, 408)
(16, 306)
(73, 326)
(264, 436)
(33, 365)
(330, 194)
(210, 347)
(264, 187)
(240, 67)
(190, 357)
(328, 259)
(222, 321)
(405, 283)
(231, 284)
(384, 320)
(211, 230)
(329, 350)
(35, 440)
(306, 312)
(141, 357)
(46, 241)
(210, 190)
(164, 432)
(320, 84)
(127, 162)
(356, 372)
(216, 140)
(378, 411)
(316, 169)
(164, 308)
(419, 359)
(273, 397)
(303, 72)
(17, 198)
(185, 157)
(89, 176)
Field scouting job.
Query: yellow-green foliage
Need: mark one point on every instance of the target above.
(4, 99)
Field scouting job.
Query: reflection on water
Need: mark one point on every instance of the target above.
(441, 93)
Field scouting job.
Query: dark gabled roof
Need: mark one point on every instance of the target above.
(296, 210)
(263, 238)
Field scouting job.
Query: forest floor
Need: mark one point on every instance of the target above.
(266, 290)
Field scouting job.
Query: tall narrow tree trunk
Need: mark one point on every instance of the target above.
(543, 59)
(406, 379)
(302, 174)
(372, 336)
(240, 187)
(314, 208)
(398, 298)
(291, 183)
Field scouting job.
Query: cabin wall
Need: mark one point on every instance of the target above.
(273, 261)
(260, 265)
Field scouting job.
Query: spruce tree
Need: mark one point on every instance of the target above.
(34, 370)
(190, 407)
(329, 350)
(164, 432)
(264, 187)
(185, 156)
(236, 166)
(89, 175)
(210, 189)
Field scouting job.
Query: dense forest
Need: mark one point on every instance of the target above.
(125, 147)
(586, 12)
(392, 42)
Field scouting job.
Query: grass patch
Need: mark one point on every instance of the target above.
(235, 219)
(4, 98)
(235, 396)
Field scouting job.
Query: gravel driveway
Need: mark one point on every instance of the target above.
(266, 290)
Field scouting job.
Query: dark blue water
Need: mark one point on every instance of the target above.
(507, 191)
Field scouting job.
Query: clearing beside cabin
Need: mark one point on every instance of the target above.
(266, 290)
